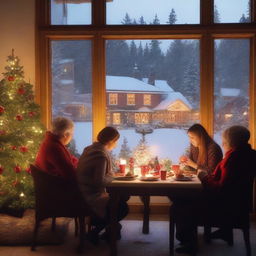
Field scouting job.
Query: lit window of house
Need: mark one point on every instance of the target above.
(116, 118)
(141, 118)
(130, 99)
(113, 100)
(147, 99)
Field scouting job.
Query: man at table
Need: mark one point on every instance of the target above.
(221, 197)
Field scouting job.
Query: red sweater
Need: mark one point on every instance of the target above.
(54, 158)
(231, 180)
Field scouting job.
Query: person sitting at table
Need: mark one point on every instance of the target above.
(226, 189)
(94, 172)
(53, 157)
(204, 153)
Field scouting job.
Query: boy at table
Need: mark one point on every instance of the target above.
(221, 196)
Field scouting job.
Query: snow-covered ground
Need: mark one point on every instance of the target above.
(164, 143)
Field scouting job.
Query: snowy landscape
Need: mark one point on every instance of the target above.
(164, 143)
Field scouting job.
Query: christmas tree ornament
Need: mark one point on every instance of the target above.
(1, 169)
(31, 114)
(23, 149)
(28, 170)
(17, 169)
(2, 132)
(21, 91)
(13, 147)
(19, 117)
(10, 78)
(1, 110)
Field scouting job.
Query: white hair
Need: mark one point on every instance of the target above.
(60, 125)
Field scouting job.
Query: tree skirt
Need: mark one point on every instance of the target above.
(19, 231)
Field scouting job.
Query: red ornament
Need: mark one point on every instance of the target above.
(2, 110)
(31, 114)
(28, 170)
(13, 147)
(2, 132)
(17, 169)
(15, 183)
(1, 170)
(19, 117)
(30, 97)
(23, 149)
(21, 91)
(10, 78)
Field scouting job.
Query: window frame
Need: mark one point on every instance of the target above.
(116, 99)
(149, 99)
(129, 100)
(99, 32)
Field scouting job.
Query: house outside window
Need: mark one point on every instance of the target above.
(130, 99)
(147, 99)
(113, 99)
(116, 118)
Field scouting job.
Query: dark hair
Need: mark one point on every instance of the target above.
(107, 134)
(204, 140)
(237, 136)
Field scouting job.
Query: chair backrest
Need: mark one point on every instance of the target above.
(55, 196)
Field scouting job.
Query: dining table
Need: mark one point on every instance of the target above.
(172, 188)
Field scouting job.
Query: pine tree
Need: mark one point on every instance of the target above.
(172, 17)
(156, 21)
(127, 20)
(142, 153)
(125, 152)
(20, 135)
(216, 15)
(142, 21)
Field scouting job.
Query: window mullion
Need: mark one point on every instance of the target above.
(99, 13)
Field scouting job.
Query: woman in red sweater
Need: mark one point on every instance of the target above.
(226, 189)
(53, 156)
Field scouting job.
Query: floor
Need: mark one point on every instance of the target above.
(137, 244)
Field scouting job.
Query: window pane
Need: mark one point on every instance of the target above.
(71, 12)
(71, 87)
(235, 11)
(154, 12)
(231, 84)
(156, 87)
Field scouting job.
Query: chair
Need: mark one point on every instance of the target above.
(57, 197)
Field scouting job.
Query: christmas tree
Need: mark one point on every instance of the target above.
(125, 152)
(142, 154)
(20, 135)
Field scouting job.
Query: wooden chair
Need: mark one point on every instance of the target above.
(57, 197)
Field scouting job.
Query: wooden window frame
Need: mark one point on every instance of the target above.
(99, 32)
(149, 99)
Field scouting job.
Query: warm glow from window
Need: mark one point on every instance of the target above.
(147, 99)
(130, 99)
(227, 116)
(113, 99)
(141, 118)
(116, 118)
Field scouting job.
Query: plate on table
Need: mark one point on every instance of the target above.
(125, 178)
(153, 178)
(183, 178)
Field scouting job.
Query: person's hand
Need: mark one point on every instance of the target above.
(191, 163)
(183, 159)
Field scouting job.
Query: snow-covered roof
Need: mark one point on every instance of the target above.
(66, 81)
(229, 92)
(125, 83)
(161, 84)
(144, 109)
(171, 98)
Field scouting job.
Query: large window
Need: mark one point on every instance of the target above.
(71, 88)
(231, 84)
(153, 12)
(164, 78)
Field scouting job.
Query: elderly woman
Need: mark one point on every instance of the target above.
(225, 189)
(53, 156)
(94, 171)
